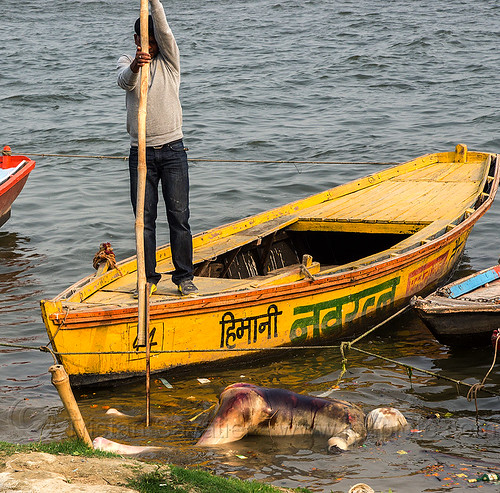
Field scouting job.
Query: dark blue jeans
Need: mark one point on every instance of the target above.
(169, 166)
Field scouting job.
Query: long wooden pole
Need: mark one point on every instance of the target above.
(148, 362)
(142, 286)
(141, 184)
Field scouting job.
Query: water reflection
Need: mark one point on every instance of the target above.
(25, 420)
(20, 287)
(22, 372)
(17, 259)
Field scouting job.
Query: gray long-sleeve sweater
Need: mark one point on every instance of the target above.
(164, 112)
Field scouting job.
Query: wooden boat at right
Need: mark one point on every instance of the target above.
(464, 312)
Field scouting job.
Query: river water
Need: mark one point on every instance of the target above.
(308, 80)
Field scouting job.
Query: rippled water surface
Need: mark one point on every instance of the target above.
(308, 80)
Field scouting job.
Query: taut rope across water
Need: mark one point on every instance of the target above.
(209, 160)
(343, 346)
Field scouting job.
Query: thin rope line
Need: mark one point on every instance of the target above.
(234, 350)
(379, 325)
(277, 348)
(427, 372)
(207, 160)
(123, 158)
(20, 346)
(280, 161)
(472, 394)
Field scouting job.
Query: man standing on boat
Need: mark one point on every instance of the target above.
(166, 158)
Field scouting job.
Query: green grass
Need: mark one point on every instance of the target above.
(179, 480)
(67, 447)
(164, 479)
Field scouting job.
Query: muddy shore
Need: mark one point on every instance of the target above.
(39, 472)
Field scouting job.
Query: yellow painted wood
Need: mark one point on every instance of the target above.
(426, 200)
(355, 226)
(413, 203)
(286, 276)
(342, 206)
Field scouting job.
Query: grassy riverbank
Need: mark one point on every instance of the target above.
(74, 460)
(68, 447)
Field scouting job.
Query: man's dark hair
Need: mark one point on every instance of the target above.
(137, 26)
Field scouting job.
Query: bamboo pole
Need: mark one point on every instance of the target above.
(148, 361)
(141, 185)
(142, 285)
(60, 380)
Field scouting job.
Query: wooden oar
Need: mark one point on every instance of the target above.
(142, 322)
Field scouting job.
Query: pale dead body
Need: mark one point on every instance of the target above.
(106, 445)
(114, 412)
(101, 443)
(245, 409)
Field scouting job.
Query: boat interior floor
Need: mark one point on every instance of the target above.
(121, 291)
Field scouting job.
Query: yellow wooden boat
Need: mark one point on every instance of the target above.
(320, 269)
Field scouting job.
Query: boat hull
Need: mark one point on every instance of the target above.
(11, 187)
(462, 329)
(236, 325)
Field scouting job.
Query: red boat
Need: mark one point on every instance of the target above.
(14, 171)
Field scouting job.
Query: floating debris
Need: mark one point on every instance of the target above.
(166, 383)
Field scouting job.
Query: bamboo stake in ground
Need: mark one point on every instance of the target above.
(141, 185)
(60, 380)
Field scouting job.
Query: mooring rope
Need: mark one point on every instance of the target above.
(43, 349)
(166, 351)
(46, 349)
(346, 345)
(480, 386)
(343, 346)
(209, 160)
(427, 372)
(400, 312)
(105, 256)
(22, 346)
